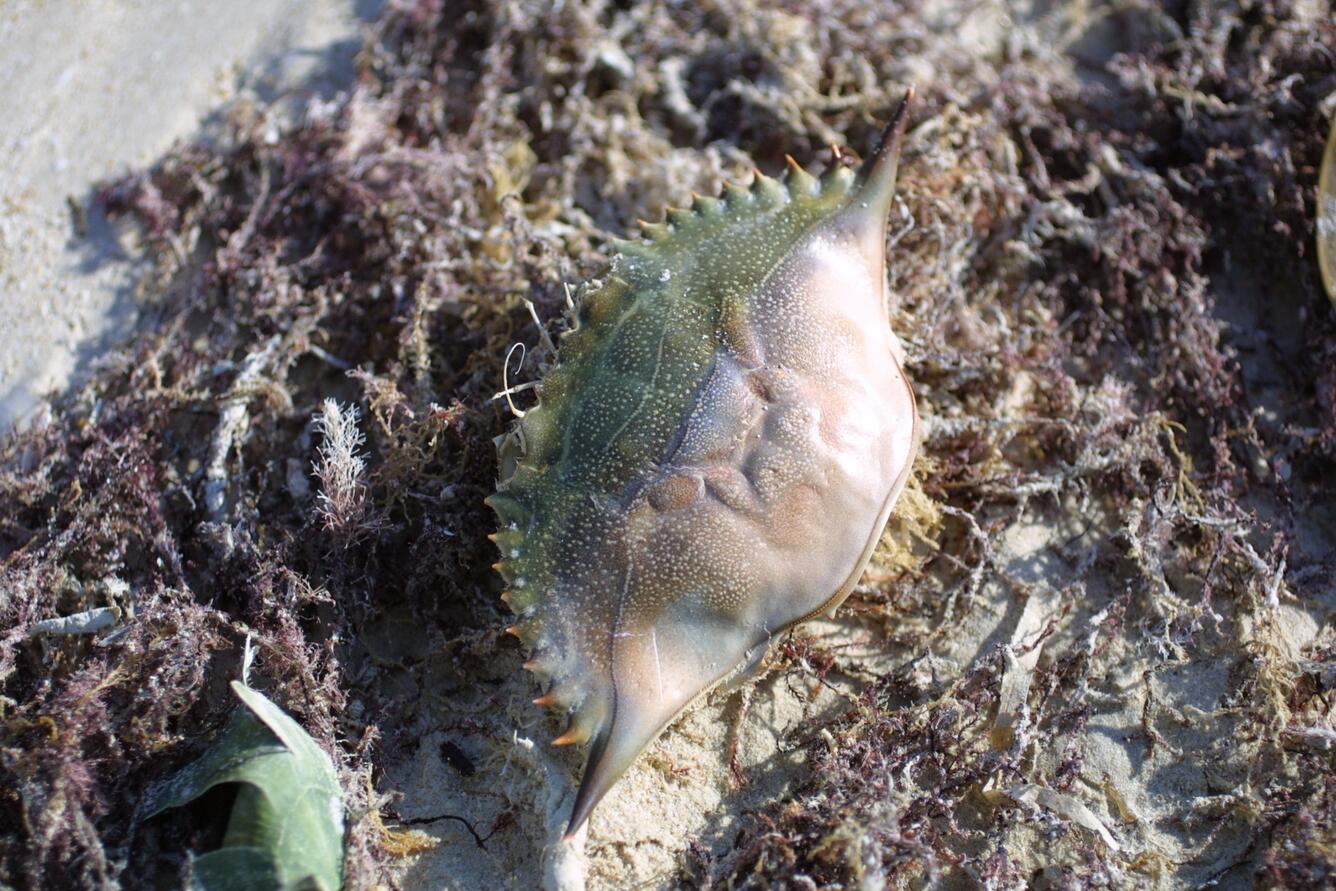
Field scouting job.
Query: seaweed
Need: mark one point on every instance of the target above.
(1117, 328)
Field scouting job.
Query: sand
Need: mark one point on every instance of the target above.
(93, 89)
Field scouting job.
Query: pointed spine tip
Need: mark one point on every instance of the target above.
(768, 190)
(705, 204)
(653, 231)
(799, 180)
(569, 738)
(879, 173)
(509, 509)
(592, 785)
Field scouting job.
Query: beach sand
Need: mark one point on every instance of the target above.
(94, 89)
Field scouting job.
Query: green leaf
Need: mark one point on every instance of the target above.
(1326, 215)
(237, 869)
(285, 830)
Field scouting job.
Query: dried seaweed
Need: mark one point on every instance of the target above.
(1104, 260)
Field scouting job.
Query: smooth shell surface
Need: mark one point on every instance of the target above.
(714, 456)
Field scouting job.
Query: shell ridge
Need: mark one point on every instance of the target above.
(645, 394)
(679, 436)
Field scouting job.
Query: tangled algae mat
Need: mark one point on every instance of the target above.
(1096, 647)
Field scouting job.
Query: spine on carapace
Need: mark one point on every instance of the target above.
(876, 187)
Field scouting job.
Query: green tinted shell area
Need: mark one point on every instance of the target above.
(664, 506)
(631, 369)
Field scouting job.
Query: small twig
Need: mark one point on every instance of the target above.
(87, 622)
(735, 771)
(231, 421)
(542, 331)
(480, 840)
(506, 389)
(1323, 738)
(328, 358)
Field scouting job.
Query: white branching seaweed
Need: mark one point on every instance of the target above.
(344, 499)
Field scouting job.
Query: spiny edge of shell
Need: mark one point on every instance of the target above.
(564, 690)
(763, 193)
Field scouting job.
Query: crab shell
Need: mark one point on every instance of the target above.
(714, 456)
